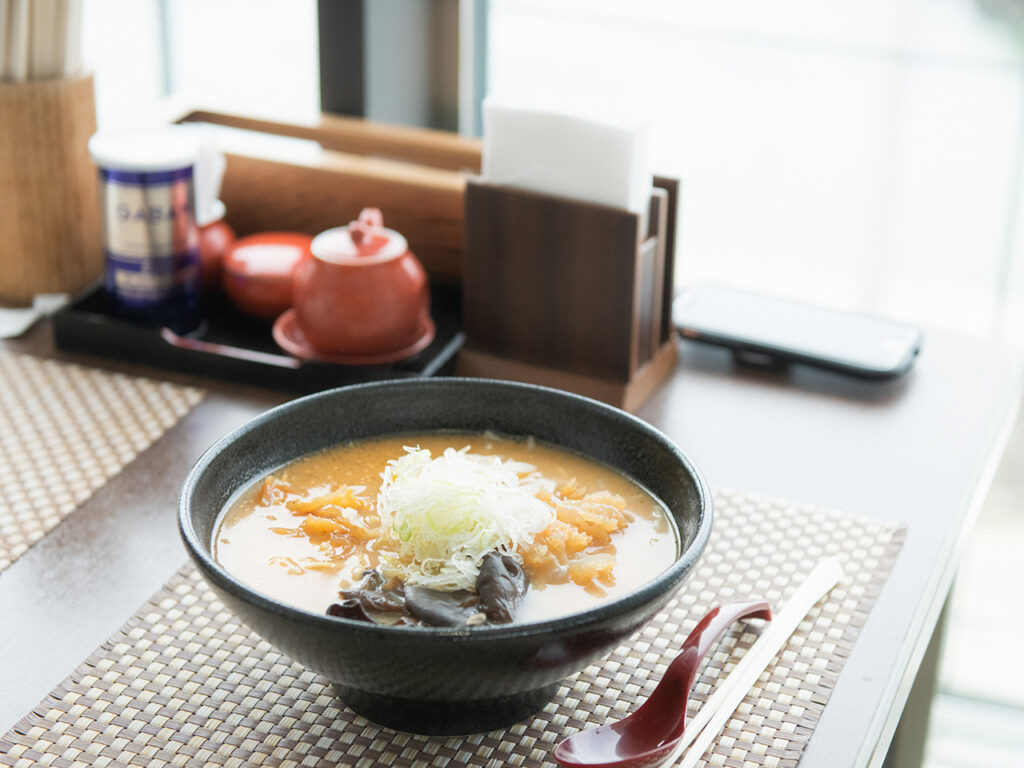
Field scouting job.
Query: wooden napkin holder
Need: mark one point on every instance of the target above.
(569, 294)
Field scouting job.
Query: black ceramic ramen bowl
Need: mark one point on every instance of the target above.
(439, 680)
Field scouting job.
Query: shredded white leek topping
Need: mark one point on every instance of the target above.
(448, 512)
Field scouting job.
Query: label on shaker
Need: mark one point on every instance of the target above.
(152, 245)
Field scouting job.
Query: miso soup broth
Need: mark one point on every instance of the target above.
(374, 525)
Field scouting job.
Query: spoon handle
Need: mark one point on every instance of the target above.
(708, 630)
(719, 708)
(683, 669)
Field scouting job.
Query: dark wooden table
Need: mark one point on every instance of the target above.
(920, 450)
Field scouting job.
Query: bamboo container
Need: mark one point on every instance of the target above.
(49, 221)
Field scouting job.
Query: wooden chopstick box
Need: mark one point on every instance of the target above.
(415, 176)
(569, 294)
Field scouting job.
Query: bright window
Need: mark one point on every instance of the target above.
(255, 56)
(860, 154)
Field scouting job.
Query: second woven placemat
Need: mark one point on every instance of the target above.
(182, 683)
(64, 431)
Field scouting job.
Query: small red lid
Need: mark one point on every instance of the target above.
(270, 255)
(361, 242)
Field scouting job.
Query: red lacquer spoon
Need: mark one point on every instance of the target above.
(646, 737)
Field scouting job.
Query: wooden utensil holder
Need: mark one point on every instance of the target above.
(569, 294)
(49, 218)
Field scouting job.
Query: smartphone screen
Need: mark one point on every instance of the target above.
(783, 330)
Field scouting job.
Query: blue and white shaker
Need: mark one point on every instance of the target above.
(150, 236)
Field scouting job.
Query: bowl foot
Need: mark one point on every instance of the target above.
(445, 718)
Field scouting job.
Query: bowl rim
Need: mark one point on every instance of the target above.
(202, 555)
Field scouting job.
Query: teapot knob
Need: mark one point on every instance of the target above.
(369, 219)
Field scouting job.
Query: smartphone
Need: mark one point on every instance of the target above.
(768, 331)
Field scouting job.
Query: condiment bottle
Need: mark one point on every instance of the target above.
(151, 241)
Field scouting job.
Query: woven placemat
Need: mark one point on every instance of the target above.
(182, 683)
(64, 431)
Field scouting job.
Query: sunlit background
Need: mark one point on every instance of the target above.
(864, 154)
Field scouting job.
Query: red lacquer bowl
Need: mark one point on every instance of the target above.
(259, 269)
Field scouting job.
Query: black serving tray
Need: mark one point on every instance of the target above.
(235, 347)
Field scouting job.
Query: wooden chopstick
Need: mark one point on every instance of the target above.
(45, 30)
(717, 710)
(40, 39)
(18, 48)
(5, 14)
(72, 58)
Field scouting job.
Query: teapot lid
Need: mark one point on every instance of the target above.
(364, 241)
